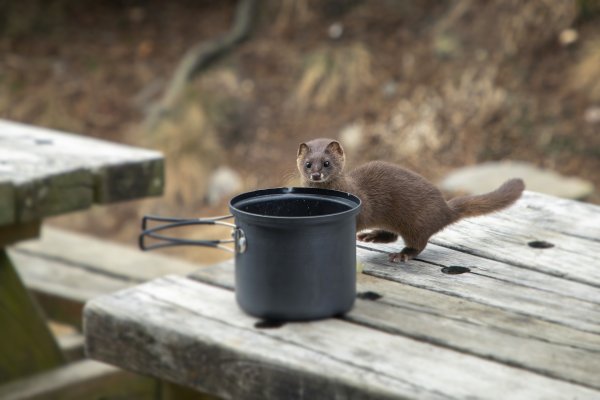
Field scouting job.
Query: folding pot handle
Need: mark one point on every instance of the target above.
(238, 236)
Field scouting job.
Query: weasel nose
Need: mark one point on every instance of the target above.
(315, 176)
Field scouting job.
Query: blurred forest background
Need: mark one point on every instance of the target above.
(430, 84)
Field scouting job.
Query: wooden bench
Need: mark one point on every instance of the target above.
(63, 270)
(43, 173)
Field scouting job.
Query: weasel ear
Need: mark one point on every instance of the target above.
(335, 148)
(303, 149)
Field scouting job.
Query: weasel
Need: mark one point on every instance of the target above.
(395, 201)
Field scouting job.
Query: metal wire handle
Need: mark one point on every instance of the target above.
(238, 237)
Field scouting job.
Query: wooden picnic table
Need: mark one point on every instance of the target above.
(523, 323)
(45, 173)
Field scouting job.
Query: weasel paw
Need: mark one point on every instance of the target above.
(407, 253)
(377, 236)
(398, 257)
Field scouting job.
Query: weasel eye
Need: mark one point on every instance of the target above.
(326, 164)
(308, 165)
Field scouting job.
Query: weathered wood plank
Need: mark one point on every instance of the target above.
(51, 172)
(65, 269)
(102, 256)
(527, 301)
(129, 180)
(194, 334)
(20, 329)
(43, 186)
(572, 227)
(494, 238)
(54, 195)
(490, 338)
(469, 327)
(574, 218)
(85, 379)
(62, 289)
(437, 303)
(443, 256)
(57, 278)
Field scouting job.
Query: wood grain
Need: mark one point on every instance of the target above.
(442, 256)
(574, 218)
(469, 327)
(570, 258)
(65, 269)
(102, 256)
(45, 172)
(194, 334)
(527, 301)
(514, 326)
(504, 237)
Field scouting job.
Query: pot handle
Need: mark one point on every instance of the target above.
(238, 236)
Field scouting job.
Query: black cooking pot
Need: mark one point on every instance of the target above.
(295, 255)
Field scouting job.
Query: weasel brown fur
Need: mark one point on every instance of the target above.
(395, 201)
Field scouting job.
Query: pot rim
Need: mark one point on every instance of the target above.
(353, 200)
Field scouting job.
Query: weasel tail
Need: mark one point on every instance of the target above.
(472, 206)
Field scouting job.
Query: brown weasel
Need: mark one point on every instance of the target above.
(395, 201)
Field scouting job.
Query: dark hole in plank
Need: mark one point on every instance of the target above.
(369, 295)
(269, 324)
(540, 244)
(455, 270)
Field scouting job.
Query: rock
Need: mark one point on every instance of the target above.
(222, 183)
(389, 89)
(335, 30)
(488, 176)
(568, 36)
(351, 137)
(592, 115)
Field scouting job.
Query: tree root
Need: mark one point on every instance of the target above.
(201, 56)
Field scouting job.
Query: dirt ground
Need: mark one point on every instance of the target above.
(433, 85)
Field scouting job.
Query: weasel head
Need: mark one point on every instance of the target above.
(320, 161)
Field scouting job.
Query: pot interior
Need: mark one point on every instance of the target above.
(295, 202)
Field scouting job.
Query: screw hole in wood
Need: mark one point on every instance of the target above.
(269, 324)
(369, 295)
(455, 270)
(540, 244)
